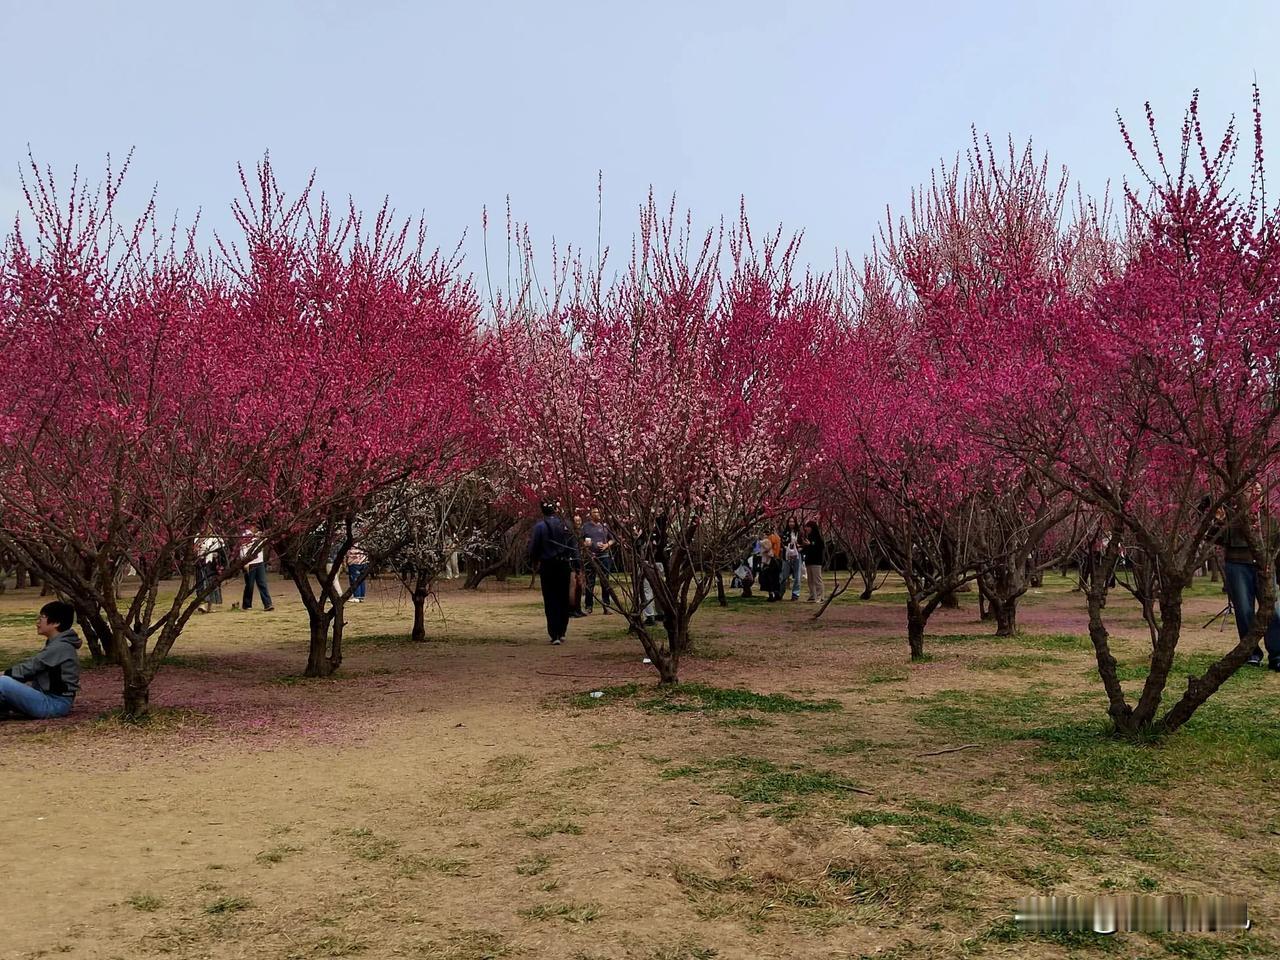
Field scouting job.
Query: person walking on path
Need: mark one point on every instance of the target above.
(813, 549)
(550, 550)
(45, 685)
(254, 548)
(599, 542)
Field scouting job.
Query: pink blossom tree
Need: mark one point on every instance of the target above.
(668, 400)
(1152, 399)
(120, 443)
(367, 353)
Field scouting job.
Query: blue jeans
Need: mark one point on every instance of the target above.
(256, 574)
(356, 574)
(606, 590)
(1241, 580)
(29, 701)
(791, 572)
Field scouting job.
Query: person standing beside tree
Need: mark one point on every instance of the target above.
(1240, 581)
(211, 560)
(792, 561)
(813, 549)
(550, 550)
(577, 559)
(599, 560)
(357, 570)
(254, 548)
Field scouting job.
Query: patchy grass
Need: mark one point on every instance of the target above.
(276, 854)
(982, 715)
(467, 945)
(365, 844)
(228, 905)
(552, 827)
(532, 866)
(701, 698)
(145, 902)
(845, 892)
(1022, 664)
(568, 912)
(160, 721)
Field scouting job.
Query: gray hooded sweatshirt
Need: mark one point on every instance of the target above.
(55, 669)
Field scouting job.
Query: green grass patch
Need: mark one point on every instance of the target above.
(941, 824)
(979, 715)
(1022, 663)
(764, 781)
(145, 902)
(846, 747)
(1065, 642)
(701, 698)
(532, 866)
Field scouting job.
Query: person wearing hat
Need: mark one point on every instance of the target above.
(550, 551)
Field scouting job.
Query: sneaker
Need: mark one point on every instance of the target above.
(648, 621)
(265, 609)
(1274, 665)
(795, 596)
(1255, 660)
(606, 611)
(555, 641)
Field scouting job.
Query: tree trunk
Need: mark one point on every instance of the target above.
(318, 662)
(915, 629)
(1117, 708)
(137, 685)
(951, 600)
(666, 663)
(720, 597)
(335, 647)
(137, 700)
(1006, 613)
(677, 628)
(419, 634)
(21, 578)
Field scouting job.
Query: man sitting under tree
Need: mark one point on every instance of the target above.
(45, 685)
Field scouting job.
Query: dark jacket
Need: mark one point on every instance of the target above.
(1235, 545)
(55, 669)
(813, 551)
(551, 540)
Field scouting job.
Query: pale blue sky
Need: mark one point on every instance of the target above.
(819, 113)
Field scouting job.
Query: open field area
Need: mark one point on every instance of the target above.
(464, 799)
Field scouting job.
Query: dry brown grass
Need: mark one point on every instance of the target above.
(460, 800)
